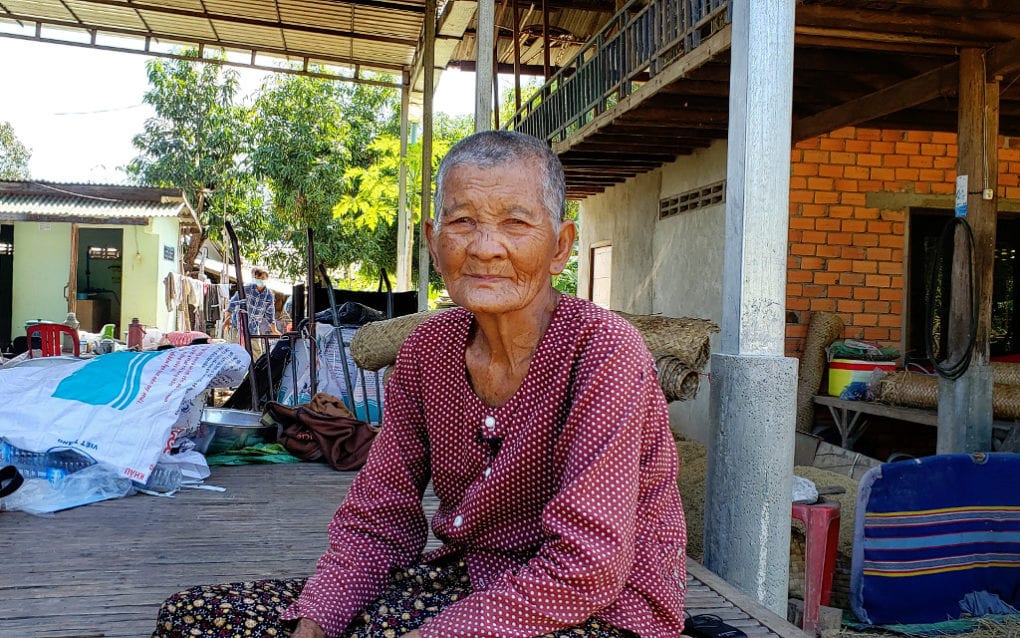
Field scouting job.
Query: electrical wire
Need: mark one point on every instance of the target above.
(946, 369)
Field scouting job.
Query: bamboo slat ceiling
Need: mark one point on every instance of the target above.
(876, 63)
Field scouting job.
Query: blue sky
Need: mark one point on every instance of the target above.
(77, 109)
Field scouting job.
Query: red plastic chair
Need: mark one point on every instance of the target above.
(49, 338)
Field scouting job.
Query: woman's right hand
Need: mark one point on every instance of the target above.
(308, 628)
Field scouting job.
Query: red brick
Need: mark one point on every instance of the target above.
(893, 215)
(890, 294)
(794, 236)
(869, 134)
(889, 135)
(853, 199)
(935, 150)
(818, 157)
(862, 212)
(819, 183)
(823, 305)
(865, 319)
(802, 197)
(890, 321)
(798, 183)
(843, 158)
(813, 290)
(852, 253)
(866, 267)
(826, 223)
(845, 185)
(890, 241)
(847, 132)
(890, 267)
(825, 278)
(851, 279)
(849, 306)
(897, 228)
(879, 227)
(868, 159)
(865, 239)
(812, 263)
(880, 255)
(877, 307)
(908, 148)
(827, 251)
(919, 136)
(883, 173)
(826, 197)
(907, 174)
(894, 337)
(840, 292)
(813, 237)
(864, 293)
(798, 276)
(876, 334)
(920, 161)
(802, 249)
(806, 170)
(802, 223)
(871, 185)
(894, 161)
(856, 172)
(943, 188)
(795, 302)
(830, 170)
(896, 282)
(858, 146)
(854, 226)
(877, 281)
(839, 239)
(1009, 155)
(809, 143)
(831, 144)
(932, 175)
(796, 330)
(895, 307)
(944, 162)
(941, 137)
(813, 210)
(841, 212)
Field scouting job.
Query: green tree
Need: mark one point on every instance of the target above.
(14, 155)
(307, 133)
(195, 141)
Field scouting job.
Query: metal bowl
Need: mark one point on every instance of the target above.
(234, 429)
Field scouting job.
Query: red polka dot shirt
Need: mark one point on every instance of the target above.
(563, 502)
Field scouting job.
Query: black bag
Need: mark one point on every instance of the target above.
(384, 300)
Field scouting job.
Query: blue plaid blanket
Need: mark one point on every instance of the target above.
(930, 531)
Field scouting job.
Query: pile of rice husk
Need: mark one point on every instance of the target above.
(824, 329)
(915, 390)
(692, 478)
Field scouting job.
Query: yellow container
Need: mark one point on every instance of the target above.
(843, 372)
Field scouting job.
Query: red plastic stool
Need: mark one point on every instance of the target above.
(821, 540)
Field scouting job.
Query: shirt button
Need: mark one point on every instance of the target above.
(490, 422)
(487, 472)
(457, 522)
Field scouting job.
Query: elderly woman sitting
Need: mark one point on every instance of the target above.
(540, 423)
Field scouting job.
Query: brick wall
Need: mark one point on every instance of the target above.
(846, 255)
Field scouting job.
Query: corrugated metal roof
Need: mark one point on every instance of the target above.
(69, 206)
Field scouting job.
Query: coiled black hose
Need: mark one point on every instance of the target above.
(946, 369)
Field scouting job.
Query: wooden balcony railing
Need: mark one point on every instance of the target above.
(636, 44)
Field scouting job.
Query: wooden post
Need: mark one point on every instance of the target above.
(517, 58)
(405, 229)
(485, 63)
(72, 276)
(965, 404)
(428, 75)
(545, 39)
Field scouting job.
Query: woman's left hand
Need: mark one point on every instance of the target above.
(412, 634)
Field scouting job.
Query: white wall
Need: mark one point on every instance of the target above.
(671, 266)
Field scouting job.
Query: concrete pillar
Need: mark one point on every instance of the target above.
(484, 39)
(754, 387)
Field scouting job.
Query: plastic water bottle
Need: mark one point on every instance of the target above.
(165, 479)
(51, 466)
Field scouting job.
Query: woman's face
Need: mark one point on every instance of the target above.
(496, 245)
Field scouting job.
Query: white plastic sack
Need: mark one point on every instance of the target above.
(121, 409)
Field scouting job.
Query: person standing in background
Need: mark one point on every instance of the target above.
(261, 309)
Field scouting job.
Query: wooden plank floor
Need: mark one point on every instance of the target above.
(103, 569)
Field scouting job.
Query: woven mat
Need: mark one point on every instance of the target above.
(825, 328)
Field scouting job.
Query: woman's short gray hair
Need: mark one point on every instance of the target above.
(493, 148)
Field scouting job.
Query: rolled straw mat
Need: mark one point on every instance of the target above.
(922, 391)
(678, 382)
(375, 345)
(825, 327)
(1005, 373)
